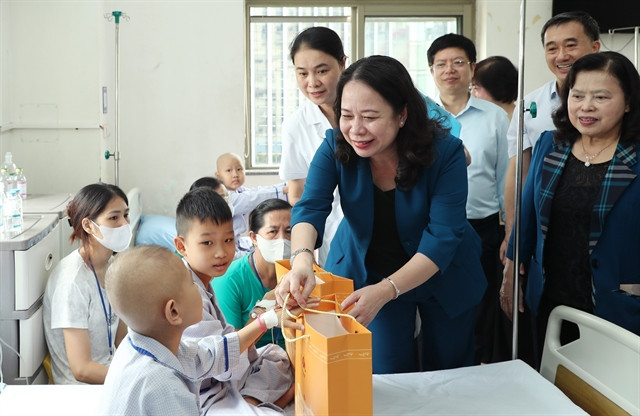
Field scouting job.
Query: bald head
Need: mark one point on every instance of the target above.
(140, 281)
(230, 171)
(226, 159)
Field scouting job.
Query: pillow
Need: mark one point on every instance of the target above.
(156, 229)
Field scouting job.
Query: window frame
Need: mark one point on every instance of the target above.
(360, 10)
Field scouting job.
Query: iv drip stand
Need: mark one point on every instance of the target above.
(116, 154)
(518, 185)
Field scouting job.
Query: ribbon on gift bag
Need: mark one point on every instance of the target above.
(333, 371)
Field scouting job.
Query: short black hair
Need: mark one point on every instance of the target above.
(452, 40)
(589, 24)
(203, 204)
(256, 218)
(210, 181)
(321, 39)
(499, 77)
(620, 68)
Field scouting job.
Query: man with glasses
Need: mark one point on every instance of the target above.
(452, 59)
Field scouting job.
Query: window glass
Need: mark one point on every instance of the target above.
(273, 91)
(407, 40)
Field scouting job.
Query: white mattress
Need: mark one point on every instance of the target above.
(509, 388)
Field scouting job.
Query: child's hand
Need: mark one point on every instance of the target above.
(290, 322)
(285, 189)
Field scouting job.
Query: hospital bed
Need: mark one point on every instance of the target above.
(507, 388)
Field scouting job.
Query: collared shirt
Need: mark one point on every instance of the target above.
(213, 322)
(547, 101)
(265, 374)
(145, 377)
(484, 134)
(302, 133)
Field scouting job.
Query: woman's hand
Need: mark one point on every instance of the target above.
(506, 290)
(300, 281)
(368, 301)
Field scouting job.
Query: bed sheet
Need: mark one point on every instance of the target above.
(508, 388)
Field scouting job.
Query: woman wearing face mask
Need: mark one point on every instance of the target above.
(81, 329)
(247, 286)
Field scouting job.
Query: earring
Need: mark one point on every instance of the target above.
(401, 123)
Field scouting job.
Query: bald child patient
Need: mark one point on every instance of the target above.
(153, 372)
(230, 171)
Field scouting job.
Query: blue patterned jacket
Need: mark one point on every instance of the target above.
(614, 238)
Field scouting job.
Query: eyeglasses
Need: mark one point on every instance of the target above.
(457, 64)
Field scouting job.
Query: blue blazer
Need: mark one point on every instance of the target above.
(431, 219)
(614, 243)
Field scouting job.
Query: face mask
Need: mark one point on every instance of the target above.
(273, 250)
(115, 239)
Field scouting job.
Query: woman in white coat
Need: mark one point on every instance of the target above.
(319, 60)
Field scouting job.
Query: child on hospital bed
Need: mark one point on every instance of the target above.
(262, 377)
(153, 371)
(230, 172)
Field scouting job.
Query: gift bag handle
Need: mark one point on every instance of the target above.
(286, 299)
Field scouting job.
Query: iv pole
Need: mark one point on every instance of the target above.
(116, 154)
(518, 196)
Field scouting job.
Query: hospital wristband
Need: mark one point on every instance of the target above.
(262, 327)
(395, 287)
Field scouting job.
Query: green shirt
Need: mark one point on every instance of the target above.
(237, 292)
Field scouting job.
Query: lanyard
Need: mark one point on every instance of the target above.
(255, 269)
(107, 318)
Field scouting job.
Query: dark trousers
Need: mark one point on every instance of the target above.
(492, 327)
(443, 342)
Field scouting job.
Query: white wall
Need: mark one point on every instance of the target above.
(49, 78)
(181, 92)
(181, 88)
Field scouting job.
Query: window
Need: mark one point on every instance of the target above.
(404, 32)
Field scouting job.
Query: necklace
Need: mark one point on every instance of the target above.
(589, 157)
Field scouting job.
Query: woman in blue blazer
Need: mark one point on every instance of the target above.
(579, 222)
(404, 239)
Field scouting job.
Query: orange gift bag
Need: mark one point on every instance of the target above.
(333, 371)
(326, 284)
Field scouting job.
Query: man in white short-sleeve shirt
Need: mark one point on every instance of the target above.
(566, 37)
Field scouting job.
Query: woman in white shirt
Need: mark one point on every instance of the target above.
(81, 329)
(319, 60)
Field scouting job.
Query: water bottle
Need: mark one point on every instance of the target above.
(8, 163)
(10, 183)
(21, 182)
(12, 212)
